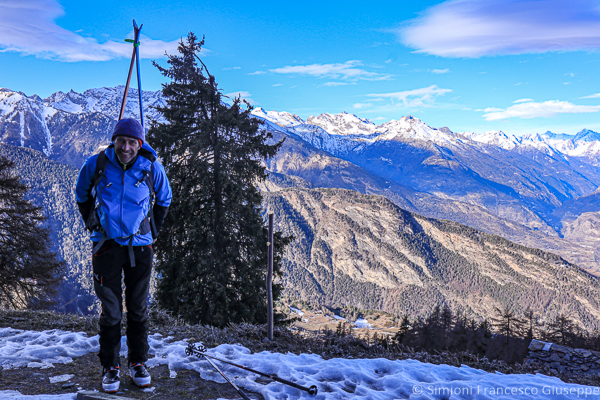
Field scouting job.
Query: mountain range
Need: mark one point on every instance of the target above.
(539, 191)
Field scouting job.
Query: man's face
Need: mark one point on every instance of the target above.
(126, 148)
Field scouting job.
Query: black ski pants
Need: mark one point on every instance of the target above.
(110, 263)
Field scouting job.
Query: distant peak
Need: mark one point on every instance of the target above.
(587, 135)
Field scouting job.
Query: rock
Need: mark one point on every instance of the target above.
(536, 345)
(562, 370)
(67, 385)
(561, 349)
(555, 357)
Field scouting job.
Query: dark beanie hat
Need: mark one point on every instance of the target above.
(129, 127)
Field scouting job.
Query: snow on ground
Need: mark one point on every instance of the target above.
(297, 311)
(362, 323)
(376, 379)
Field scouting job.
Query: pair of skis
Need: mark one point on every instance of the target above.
(135, 56)
(200, 352)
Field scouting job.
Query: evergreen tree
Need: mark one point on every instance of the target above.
(507, 323)
(29, 272)
(212, 253)
(562, 330)
(403, 330)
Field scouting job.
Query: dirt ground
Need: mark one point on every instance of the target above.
(87, 373)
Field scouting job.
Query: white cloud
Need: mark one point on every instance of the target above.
(522, 101)
(423, 97)
(257, 73)
(28, 27)
(243, 95)
(544, 109)
(345, 71)
(336, 83)
(278, 84)
(440, 71)
(475, 28)
(362, 105)
(231, 68)
(591, 96)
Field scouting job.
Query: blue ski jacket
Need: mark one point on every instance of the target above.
(123, 197)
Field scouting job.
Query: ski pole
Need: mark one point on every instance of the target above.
(192, 350)
(136, 34)
(139, 78)
(227, 379)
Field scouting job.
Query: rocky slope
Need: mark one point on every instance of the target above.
(353, 249)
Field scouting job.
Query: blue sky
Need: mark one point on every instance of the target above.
(472, 65)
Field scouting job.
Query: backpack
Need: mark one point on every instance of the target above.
(93, 220)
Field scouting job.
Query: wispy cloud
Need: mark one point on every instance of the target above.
(544, 109)
(28, 27)
(349, 71)
(337, 83)
(423, 97)
(243, 95)
(362, 105)
(257, 73)
(278, 84)
(231, 68)
(591, 96)
(475, 28)
(522, 101)
(440, 71)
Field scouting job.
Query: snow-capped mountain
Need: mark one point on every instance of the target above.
(523, 179)
(64, 124)
(106, 101)
(344, 132)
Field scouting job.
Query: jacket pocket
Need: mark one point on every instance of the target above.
(145, 226)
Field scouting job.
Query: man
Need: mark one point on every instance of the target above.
(115, 199)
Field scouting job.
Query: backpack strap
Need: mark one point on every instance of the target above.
(150, 183)
(100, 168)
(99, 172)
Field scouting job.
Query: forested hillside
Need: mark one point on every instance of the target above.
(364, 251)
(53, 187)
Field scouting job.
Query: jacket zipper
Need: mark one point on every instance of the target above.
(122, 200)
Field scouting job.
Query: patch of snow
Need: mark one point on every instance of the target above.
(15, 395)
(61, 378)
(338, 378)
(18, 348)
(300, 313)
(362, 323)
